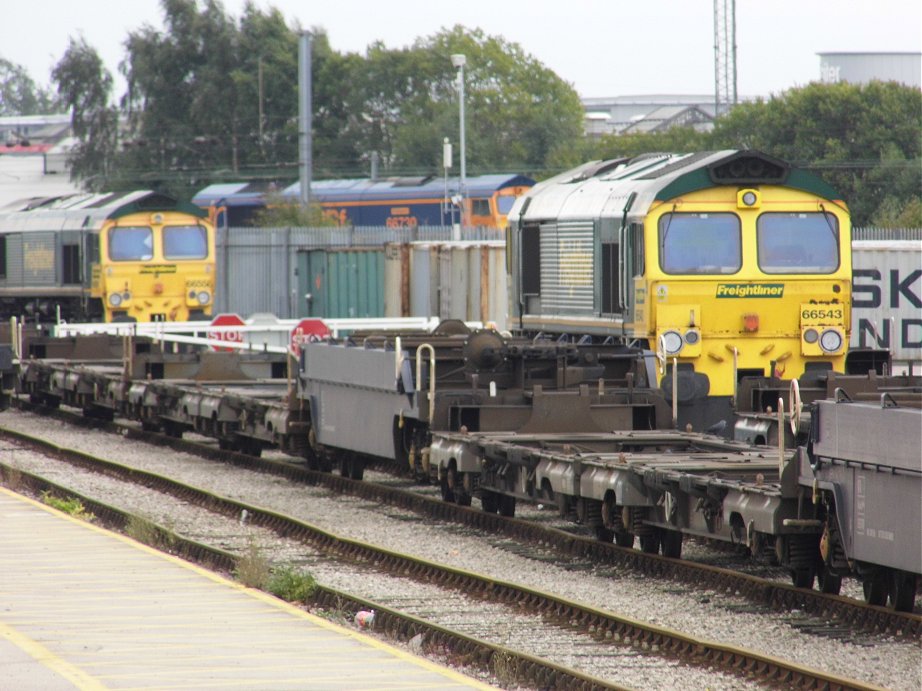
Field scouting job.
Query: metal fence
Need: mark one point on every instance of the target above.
(886, 233)
(257, 267)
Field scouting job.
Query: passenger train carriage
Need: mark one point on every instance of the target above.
(391, 202)
(125, 256)
(729, 263)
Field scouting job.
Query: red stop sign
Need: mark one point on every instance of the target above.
(229, 336)
(307, 331)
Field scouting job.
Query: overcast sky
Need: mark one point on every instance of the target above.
(601, 47)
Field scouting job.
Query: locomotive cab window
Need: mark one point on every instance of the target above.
(184, 242)
(480, 207)
(504, 203)
(131, 243)
(800, 243)
(699, 243)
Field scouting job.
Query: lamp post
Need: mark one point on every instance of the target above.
(458, 61)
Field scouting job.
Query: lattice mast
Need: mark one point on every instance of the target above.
(724, 56)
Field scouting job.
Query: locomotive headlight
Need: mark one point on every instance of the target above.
(672, 342)
(692, 336)
(203, 297)
(747, 199)
(811, 335)
(115, 299)
(831, 340)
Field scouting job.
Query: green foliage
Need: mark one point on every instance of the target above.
(214, 98)
(84, 86)
(291, 585)
(279, 213)
(149, 533)
(893, 213)
(518, 114)
(675, 139)
(19, 95)
(253, 567)
(12, 477)
(862, 139)
(71, 506)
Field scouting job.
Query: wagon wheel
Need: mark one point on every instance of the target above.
(603, 534)
(489, 502)
(650, 543)
(803, 576)
(506, 506)
(827, 581)
(876, 586)
(903, 586)
(671, 543)
(624, 538)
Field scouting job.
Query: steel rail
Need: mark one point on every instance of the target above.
(855, 614)
(506, 663)
(580, 618)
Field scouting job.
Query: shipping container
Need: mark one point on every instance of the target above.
(472, 282)
(345, 282)
(449, 280)
(887, 297)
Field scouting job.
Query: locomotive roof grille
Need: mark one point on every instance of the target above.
(683, 162)
(745, 168)
(157, 202)
(749, 168)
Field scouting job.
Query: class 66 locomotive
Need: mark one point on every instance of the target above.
(128, 256)
(725, 264)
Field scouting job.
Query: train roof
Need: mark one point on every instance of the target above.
(359, 189)
(86, 209)
(630, 186)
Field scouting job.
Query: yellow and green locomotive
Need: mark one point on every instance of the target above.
(725, 264)
(126, 256)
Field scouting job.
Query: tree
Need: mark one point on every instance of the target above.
(182, 104)
(280, 212)
(84, 86)
(19, 95)
(519, 114)
(863, 139)
(676, 139)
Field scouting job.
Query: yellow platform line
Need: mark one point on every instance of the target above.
(50, 660)
(41, 654)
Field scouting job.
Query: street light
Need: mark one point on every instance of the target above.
(458, 61)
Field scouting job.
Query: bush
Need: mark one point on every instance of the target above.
(291, 585)
(252, 567)
(72, 506)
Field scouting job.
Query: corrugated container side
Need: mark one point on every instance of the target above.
(396, 280)
(355, 283)
(424, 280)
(887, 297)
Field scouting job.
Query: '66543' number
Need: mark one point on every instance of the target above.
(814, 314)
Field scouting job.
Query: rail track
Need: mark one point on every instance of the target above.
(589, 623)
(853, 614)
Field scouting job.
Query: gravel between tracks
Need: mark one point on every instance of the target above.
(874, 660)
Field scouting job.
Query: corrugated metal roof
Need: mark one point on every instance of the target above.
(582, 193)
(365, 189)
